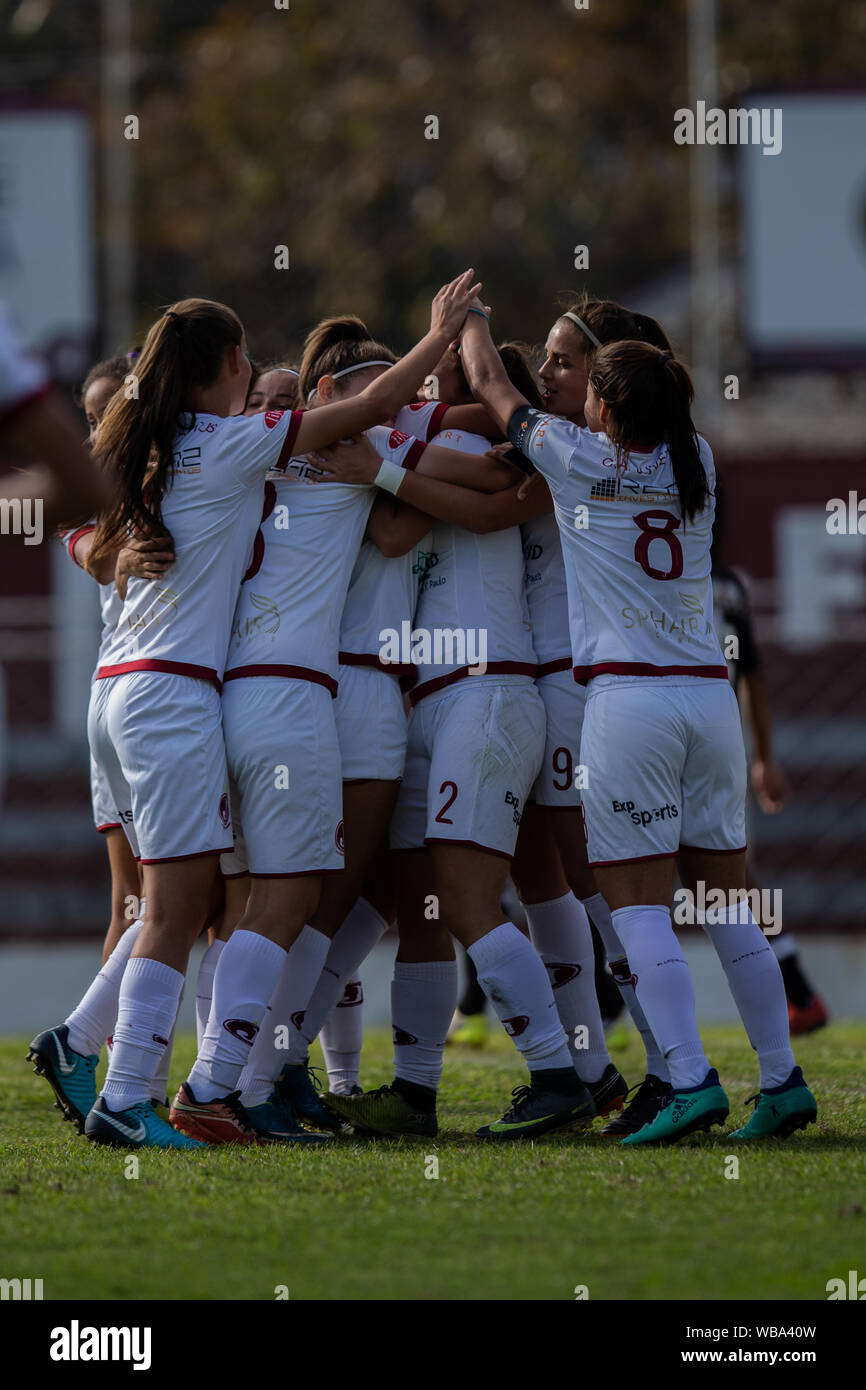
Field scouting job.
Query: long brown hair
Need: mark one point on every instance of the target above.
(611, 323)
(333, 345)
(649, 395)
(184, 349)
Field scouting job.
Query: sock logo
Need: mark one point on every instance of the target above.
(515, 1026)
(162, 1041)
(224, 813)
(241, 1029)
(352, 994)
(560, 973)
(297, 1018)
(621, 972)
(402, 1038)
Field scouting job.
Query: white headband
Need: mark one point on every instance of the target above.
(358, 367)
(291, 371)
(582, 326)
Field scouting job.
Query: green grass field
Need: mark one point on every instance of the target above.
(362, 1221)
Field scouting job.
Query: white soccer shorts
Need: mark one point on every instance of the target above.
(558, 782)
(666, 768)
(284, 766)
(371, 724)
(161, 735)
(474, 752)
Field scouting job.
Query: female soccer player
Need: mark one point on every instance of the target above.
(191, 466)
(662, 740)
(475, 744)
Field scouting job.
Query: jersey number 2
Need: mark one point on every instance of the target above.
(440, 815)
(665, 532)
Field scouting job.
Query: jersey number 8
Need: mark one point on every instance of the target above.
(665, 532)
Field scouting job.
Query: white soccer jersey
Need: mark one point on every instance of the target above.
(213, 508)
(110, 602)
(289, 611)
(22, 378)
(472, 612)
(423, 419)
(639, 592)
(546, 593)
(382, 590)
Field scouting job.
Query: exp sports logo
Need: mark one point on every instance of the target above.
(644, 818)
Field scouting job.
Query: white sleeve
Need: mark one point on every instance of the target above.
(395, 446)
(264, 443)
(550, 444)
(423, 419)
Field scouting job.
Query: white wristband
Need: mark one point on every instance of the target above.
(390, 476)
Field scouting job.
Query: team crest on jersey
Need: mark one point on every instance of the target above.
(340, 838)
(396, 438)
(427, 560)
(224, 812)
(272, 417)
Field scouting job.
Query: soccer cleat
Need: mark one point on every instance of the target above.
(780, 1110)
(71, 1075)
(683, 1112)
(641, 1109)
(468, 1030)
(812, 1016)
(535, 1110)
(222, 1121)
(609, 1092)
(275, 1121)
(139, 1127)
(384, 1111)
(299, 1086)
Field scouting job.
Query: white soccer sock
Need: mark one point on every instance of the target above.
(149, 996)
(244, 981)
(93, 1020)
(342, 1038)
(559, 931)
(664, 989)
(423, 1000)
(359, 933)
(301, 969)
(512, 976)
(755, 981)
(160, 1080)
(204, 988)
(784, 945)
(599, 915)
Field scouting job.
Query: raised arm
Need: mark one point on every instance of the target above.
(389, 392)
(487, 377)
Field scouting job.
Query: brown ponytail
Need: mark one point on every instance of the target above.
(649, 395)
(333, 345)
(184, 349)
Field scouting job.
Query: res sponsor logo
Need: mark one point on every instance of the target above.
(273, 417)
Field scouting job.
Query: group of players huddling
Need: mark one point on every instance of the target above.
(360, 662)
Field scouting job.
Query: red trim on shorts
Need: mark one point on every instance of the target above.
(698, 849)
(176, 858)
(172, 668)
(638, 859)
(493, 668)
(289, 441)
(548, 668)
(75, 537)
(298, 673)
(298, 873)
(375, 663)
(644, 668)
(9, 412)
(109, 825)
(468, 844)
